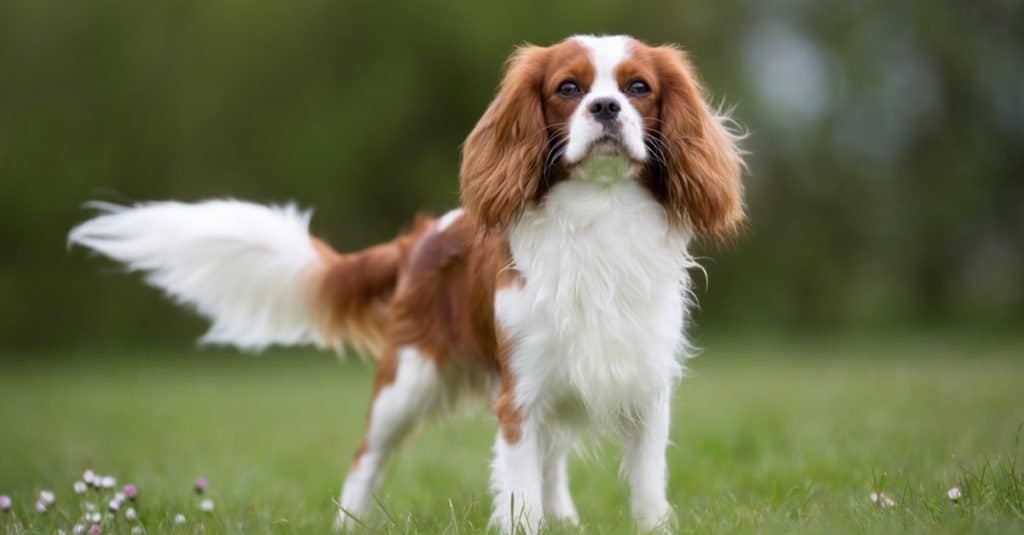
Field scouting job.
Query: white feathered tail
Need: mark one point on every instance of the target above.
(253, 270)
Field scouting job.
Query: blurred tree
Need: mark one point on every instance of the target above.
(886, 145)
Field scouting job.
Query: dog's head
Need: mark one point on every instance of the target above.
(589, 96)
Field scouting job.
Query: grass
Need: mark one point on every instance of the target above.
(768, 437)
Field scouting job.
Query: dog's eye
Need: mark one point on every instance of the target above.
(569, 89)
(638, 88)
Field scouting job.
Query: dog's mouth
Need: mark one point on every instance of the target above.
(609, 144)
(606, 161)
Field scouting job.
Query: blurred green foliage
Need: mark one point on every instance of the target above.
(887, 140)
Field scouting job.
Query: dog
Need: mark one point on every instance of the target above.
(558, 292)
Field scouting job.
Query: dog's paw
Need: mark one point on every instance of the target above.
(345, 523)
(655, 518)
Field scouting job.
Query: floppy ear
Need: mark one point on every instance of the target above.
(703, 164)
(501, 158)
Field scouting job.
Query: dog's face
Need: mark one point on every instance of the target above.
(559, 106)
(602, 95)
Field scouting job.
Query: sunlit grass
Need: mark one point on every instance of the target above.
(768, 437)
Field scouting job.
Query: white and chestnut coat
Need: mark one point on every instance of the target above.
(558, 292)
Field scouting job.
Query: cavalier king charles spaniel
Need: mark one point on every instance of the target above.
(558, 293)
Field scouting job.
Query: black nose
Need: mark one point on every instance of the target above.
(604, 109)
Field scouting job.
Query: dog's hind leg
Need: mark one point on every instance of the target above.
(406, 388)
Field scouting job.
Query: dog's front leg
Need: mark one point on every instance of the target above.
(558, 504)
(516, 481)
(644, 465)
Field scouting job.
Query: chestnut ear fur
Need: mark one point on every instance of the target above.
(501, 158)
(703, 163)
(699, 181)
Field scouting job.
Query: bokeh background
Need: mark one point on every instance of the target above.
(886, 147)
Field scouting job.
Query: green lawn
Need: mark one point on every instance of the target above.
(768, 437)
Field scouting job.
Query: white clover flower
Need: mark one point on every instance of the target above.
(108, 482)
(94, 517)
(5, 503)
(882, 499)
(954, 494)
(114, 505)
(47, 497)
(89, 506)
(130, 513)
(138, 530)
(179, 518)
(89, 477)
(40, 506)
(80, 487)
(119, 496)
(206, 506)
(79, 529)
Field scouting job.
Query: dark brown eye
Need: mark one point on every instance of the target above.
(638, 88)
(569, 89)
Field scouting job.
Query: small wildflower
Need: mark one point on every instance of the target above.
(79, 529)
(114, 505)
(108, 482)
(61, 532)
(954, 494)
(130, 491)
(119, 496)
(137, 530)
(95, 529)
(179, 518)
(95, 518)
(882, 499)
(89, 477)
(89, 506)
(5, 503)
(200, 486)
(40, 506)
(206, 506)
(80, 487)
(130, 513)
(47, 497)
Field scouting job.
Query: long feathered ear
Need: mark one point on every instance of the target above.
(501, 158)
(703, 163)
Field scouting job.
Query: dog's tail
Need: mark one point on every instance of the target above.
(253, 270)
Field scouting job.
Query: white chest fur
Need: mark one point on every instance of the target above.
(598, 326)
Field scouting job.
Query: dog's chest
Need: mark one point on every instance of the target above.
(598, 323)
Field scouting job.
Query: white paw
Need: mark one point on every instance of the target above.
(658, 517)
(566, 515)
(571, 518)
(346, 523)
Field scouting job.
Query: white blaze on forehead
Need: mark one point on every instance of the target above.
(606, 52)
